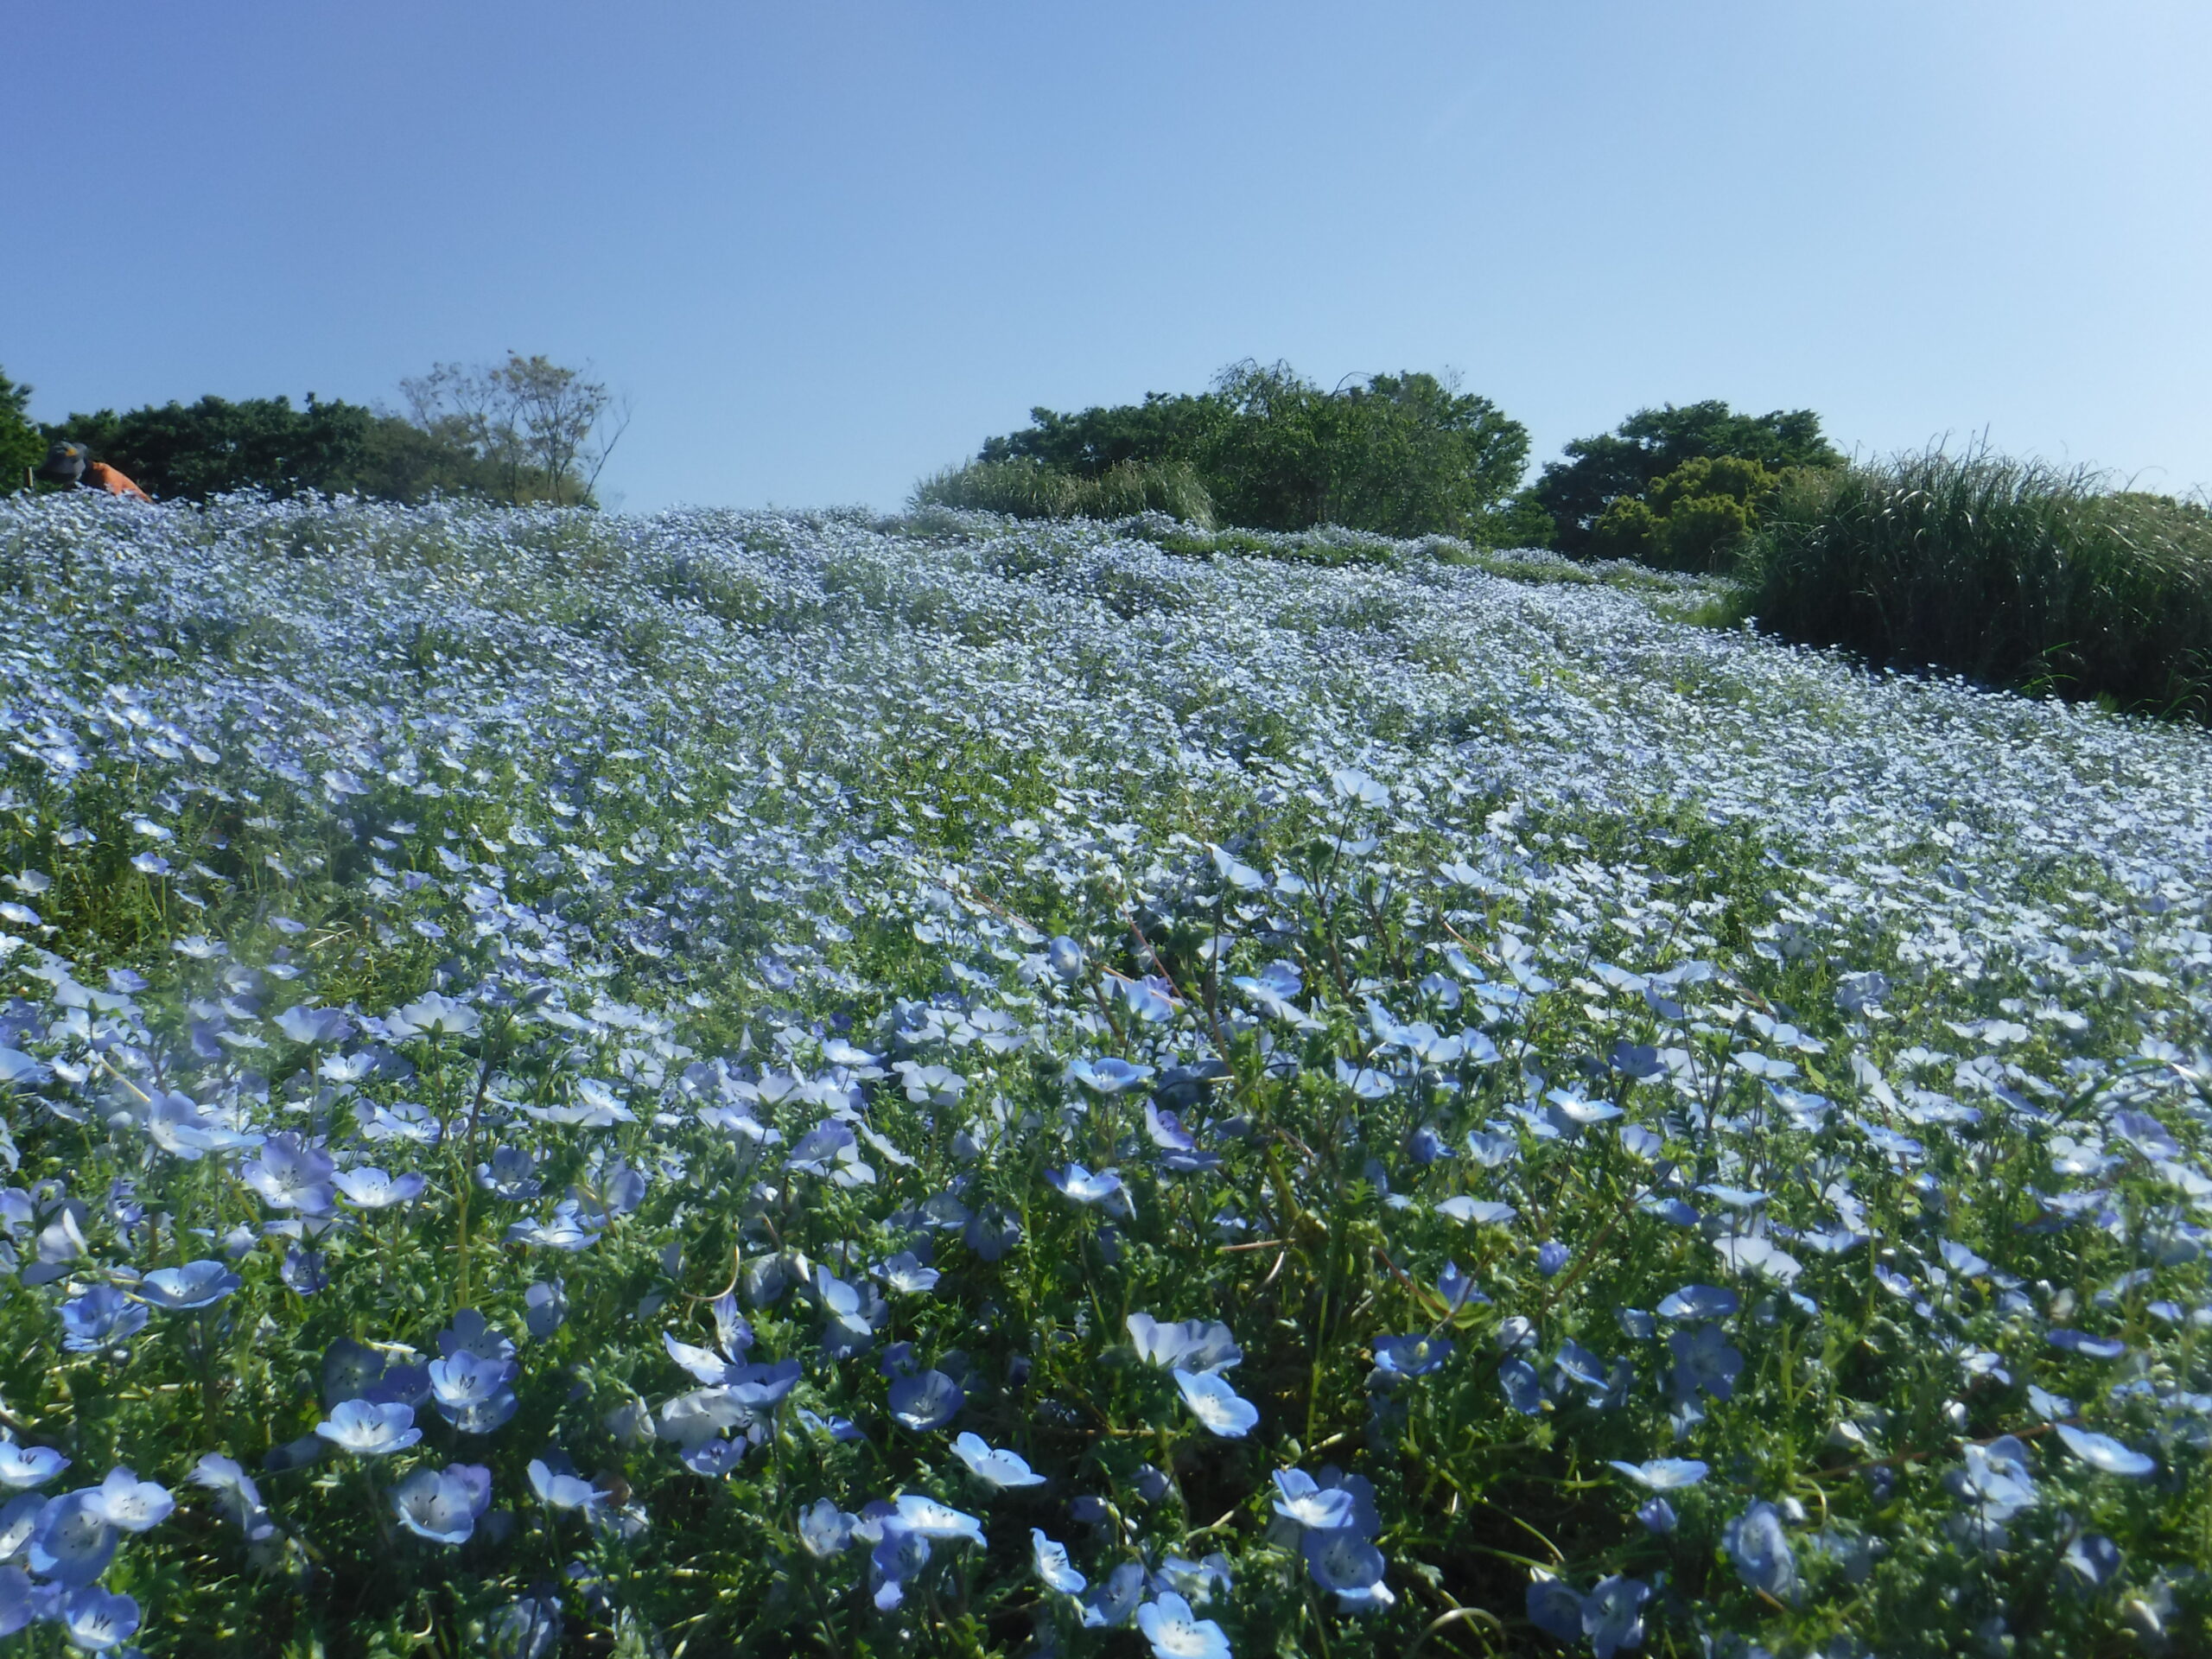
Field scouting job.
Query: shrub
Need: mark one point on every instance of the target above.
(1628, 529)
(2013, 572)
(1702, 532)
(1024, 487)
(1654, 443)
(1400, 455)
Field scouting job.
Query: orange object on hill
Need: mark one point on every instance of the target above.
(101, 476)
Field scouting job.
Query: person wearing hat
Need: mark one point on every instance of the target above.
(72, 464)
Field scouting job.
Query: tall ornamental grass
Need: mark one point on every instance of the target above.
(1029, 489)
(2014, 572)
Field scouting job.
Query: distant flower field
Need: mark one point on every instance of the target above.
(744, 1084)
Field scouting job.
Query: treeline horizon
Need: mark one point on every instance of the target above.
(520, 432)
(1406, 454)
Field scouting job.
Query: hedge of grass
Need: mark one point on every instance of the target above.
(2015, 573)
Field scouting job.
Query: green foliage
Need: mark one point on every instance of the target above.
(523, 432)
(1402, 455)
(1628, 529)
(21, 447)
(1654, 443)
(2013, 572)
(213, 446)
(1027, 488)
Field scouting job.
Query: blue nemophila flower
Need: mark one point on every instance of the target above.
(102, 1317)
(1995, 1482)
(1414, 1355)
(1113, 1602)
(472, 1390)
(371, 1188)
(367, 1430)
(2102, 1452)
(1554, 1608)
(303, 1271)
(1051, 1562)
(993, 1466)
(905, 1274)
(1107, 1074)
(1694, 1303)
(570, 1227)
(73, 1541)
(1760, 1548)
(132, 1504)
(561, 1488)
(1345, 1563)
(2093, 1558)
(2081, 1343)
(1195, 1344)
(1364, 1082)
(444, 1505)
(18, 1607)
(303, 1024)
(95, 1621)
(292, 1175)
(1657, 1515)
(545, 1306)
(1664, 1474)
(1551, 1257)
(528, 1628)
(1704, 1362)
(194, 1284)
(1176, 1632)
(825, 1529)
(1299, 1497)
(932, 1519)
(25, 1467)
(1457, 1289)
(926, 1400)
(510, 1175)
(1105, 1188)
(432, 1015)
(1216, 1405)
(1197, 1582)
(1524, 1390)
(1480, 1212)
(234, 1490)
(901, 1553)
(1612, 1614)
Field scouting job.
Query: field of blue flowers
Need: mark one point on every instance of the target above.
(744, 1084)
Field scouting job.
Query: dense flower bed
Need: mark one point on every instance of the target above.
(755, 1083)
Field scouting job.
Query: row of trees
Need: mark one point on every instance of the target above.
(524, 430)
(1410, 454)
(1405, 453)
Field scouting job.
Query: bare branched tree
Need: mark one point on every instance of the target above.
(542, 431)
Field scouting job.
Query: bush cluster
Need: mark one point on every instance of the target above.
(1024, 487)
(1400, 455)
(2015, 573)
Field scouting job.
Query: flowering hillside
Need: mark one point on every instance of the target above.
(742, 1083)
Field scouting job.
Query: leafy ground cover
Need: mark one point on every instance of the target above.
(723, 1083)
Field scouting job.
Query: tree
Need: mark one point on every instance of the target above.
(541, 432)
(1653, 442)
(1404, 454)
(21, 447)
(196, 450)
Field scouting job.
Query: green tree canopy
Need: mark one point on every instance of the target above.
(527, 429)
(21, 447)
(1402, 453)
(1653, 442)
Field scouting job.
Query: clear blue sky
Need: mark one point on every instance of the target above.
(828, 246)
